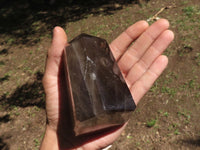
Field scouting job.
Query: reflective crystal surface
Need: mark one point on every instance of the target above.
(99, 96)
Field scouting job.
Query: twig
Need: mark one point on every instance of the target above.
(155, 17)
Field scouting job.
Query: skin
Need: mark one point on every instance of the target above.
(141, 63)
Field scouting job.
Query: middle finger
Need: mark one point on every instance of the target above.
(137, 50)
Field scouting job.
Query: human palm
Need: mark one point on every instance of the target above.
(138, 51)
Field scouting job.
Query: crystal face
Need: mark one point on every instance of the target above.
(99, 96)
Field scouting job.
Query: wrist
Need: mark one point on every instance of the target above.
(50, 140)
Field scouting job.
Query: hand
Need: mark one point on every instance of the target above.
(141, 63)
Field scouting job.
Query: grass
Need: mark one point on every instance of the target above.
(31, 52)
(184, 2)
(28, 69)
(102, 30)
(4, 51)
(197, 95)
(189, 11)
(173, 127)
(176, 132)
(185, 114)
(186, 49)
(188, 23)
(15, 110)
(191, 84)
(37, 142)
(5, 78)
(166, 114)
(151, 123)
(197, 59)
(138, 144)
(169, 90)
(36, 108)
(33, 115)
(154, 88)
(166, 88)
(162, 113)
(129, 137)
(2, 63)
(10, 41)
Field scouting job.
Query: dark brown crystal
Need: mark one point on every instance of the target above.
(99, 96)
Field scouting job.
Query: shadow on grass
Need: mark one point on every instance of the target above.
(22, 19)
(5, 119)
(5, 78)
(4, 52)
(3, 145)
(29, 94)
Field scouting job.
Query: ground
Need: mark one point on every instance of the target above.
(168, 115)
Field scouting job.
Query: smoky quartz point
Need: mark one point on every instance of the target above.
(98, 94)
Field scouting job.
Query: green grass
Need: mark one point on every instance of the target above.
(30, 52)
(36, 142)
(154, 88)
(129, 137)
(169, 90)
(185, 114)
(197, 59)
(166, 114)
(191, 84)
(10, 41)
(185, 2)
(197, 95)
(173, 126)
(102, 30)
(137, 144)
(36, 108)
(189, 11)
(176, 132)
(28, 69)
(114, 27)
(15, 110)
(151, 123)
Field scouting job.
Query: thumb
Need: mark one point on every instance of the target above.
(55, 51)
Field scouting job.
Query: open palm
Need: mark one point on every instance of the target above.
(138, 51)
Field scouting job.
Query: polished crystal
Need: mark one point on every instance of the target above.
(99, 96)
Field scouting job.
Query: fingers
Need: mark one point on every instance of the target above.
(146, 81)
(137, 50)
(148, 58)
(59, 41)
(123, 41)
